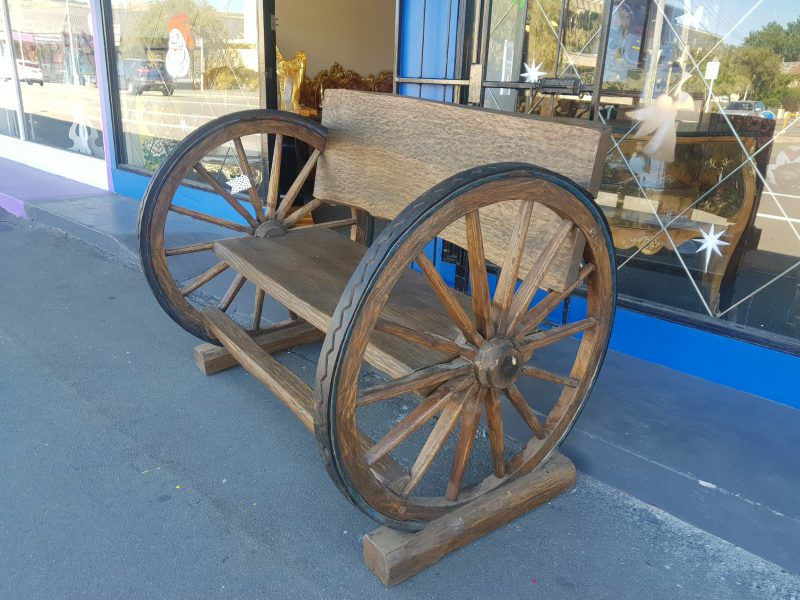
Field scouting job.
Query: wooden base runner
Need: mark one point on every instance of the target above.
(394, 556)
(212, 359)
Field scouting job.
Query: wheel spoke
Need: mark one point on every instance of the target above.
(244, 167)
(509, 273)
(328, 224)
(227, 196)
(415, 381)
(297, 184)
(204, 278)
(481, 304)
(534, 317)
(209, 219)
(444, 426)
(494, 421)
(430, 340)
(421, 414)
(188, 249)
(233, 290)
(525, 411)
(257, 308)
(533, 280)
(301, 212)
(466, 437)
(274, 177)
(551, 336)
(449, 301)
(548, 376)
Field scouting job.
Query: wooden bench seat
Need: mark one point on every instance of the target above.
(308, 269)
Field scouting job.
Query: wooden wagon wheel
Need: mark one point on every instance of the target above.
(245, 211)
(491, 351)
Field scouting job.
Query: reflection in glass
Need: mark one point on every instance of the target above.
(8, 95)
(179, 65)
(53, 48)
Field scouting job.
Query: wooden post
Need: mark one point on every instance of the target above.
(394, 556)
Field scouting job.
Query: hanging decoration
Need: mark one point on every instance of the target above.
(710, 243)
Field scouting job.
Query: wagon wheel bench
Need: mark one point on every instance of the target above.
(514, 191)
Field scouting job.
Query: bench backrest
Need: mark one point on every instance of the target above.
(383, 151)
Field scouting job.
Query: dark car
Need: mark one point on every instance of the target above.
(137, 75)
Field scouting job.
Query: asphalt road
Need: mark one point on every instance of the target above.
(128, 474)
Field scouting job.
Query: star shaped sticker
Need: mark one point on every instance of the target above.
(711, 244)
(184, 126)
(532, 72)
(238, 184)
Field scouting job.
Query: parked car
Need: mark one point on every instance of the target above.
(751, 108)
(137, 75)
(27, 71)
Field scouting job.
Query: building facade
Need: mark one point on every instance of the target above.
(701, 185)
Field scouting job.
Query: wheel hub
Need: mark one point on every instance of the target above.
(497, 363)
(270, 229)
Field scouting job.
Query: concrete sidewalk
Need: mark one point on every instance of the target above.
(129, 474)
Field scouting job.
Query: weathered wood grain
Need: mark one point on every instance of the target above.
(384, 151)
(211, 359)
(394, 556)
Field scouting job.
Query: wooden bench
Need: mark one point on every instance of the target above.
(515, 192)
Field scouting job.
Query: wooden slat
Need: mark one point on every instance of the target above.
(481, 302)
(226, 195)
(274, 177)
(382, 153)
(297, 184)
(394, 556)
(431, 340)
(286, 386)
(466, 438)
(548, 376)
(211, 358)
(534, 317)
(533, 280)
(444, 426)
(326, 261)
(525, 411)
(420, 415)
(209, 219)
(494, 423)
(555, 334)
(414, 382)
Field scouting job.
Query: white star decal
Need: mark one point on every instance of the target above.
(711, 244)
(184, 126)
(238, 184)
(532, 72)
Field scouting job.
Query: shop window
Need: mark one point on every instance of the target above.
(179, 65)
(52, 46)
(8, 95)
(701, 188)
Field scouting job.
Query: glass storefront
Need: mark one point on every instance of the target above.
(179, 65)
(700, 187)
(8, 98)
(52, 45)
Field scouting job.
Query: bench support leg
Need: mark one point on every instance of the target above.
(394, 556)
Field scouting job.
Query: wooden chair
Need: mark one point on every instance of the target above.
(515, 191)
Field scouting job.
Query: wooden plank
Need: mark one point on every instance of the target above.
(394, 556)
(212, 359)
(382, 153)
(286, 386)
(327, 260)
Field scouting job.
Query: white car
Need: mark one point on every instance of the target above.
(30, 72)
